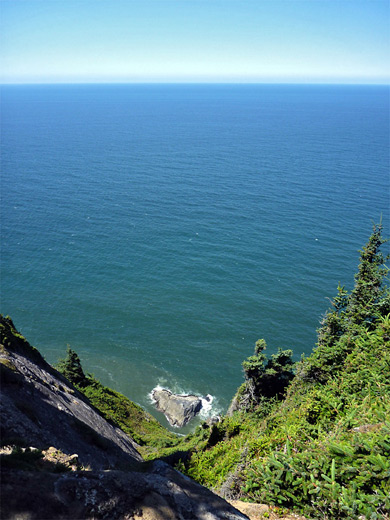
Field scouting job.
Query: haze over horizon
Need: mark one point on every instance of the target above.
(197, 41)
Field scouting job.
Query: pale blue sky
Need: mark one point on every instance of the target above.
(339, 41)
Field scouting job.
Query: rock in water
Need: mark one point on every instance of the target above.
(178, 409)
(40, 408)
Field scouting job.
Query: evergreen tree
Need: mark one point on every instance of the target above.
(333, 325)
(370, 298)
(368, 302)
(71, 368)
(267, 377)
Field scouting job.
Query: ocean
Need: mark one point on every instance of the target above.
(160, 230)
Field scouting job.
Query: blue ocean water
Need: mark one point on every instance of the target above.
(160, 230)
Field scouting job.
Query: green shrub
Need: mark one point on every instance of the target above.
(323, 449)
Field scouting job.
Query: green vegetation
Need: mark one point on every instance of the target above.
(117, 408)
(71, 368)
(264, 380)
(313, 437)
(130, 417)
(11, 339)
(323, 449)
(352, 314)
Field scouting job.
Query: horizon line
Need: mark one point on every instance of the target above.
(179, 82)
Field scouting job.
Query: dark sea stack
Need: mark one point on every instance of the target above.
(178, 409)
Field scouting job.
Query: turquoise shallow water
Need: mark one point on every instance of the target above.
(160, 230)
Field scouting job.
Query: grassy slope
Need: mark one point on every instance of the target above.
(130, 417)
(154, 440)
(323, 450)
(115, 407)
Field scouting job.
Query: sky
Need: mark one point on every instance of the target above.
(293, 41)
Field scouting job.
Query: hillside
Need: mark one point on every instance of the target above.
(312, 438)
(323, 449)
(61, 459)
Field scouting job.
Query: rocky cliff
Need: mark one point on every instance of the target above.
(98, 472)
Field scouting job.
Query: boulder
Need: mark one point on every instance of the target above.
(178, 409)
(160, 493)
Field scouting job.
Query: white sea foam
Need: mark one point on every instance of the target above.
(150, 394)
(207, 405)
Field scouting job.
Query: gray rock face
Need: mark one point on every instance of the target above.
(178, 409)
(40, 407)
(160, 494)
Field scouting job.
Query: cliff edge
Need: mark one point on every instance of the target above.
(98, 472)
